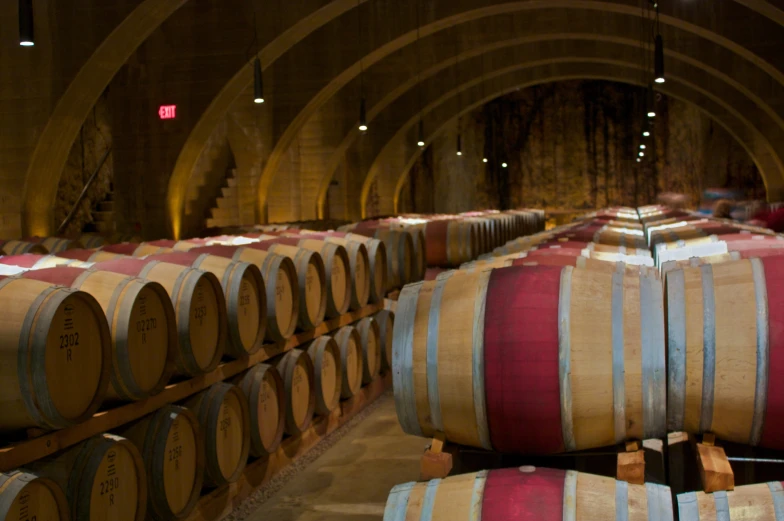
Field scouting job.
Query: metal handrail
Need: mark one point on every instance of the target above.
(79, 200)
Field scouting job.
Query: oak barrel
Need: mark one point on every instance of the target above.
(172, 449)
(20, 247)
(264, 389)
(141, 320)
(55, 355)
(280, 281)
(56, 244)
(312, 280)
(578, 353)
(377, 255)
(328, 372)
(246, 297)
(350, 344)
(103, 478)
(27, 497)
(31, 261)
(370, 339)
(336, 267)
(726, 350)
(297, 372)
(91, 240)
(199, 306)
(529, 493)
(222, 412)
(359, 264)
(759, 502)
(386, 324)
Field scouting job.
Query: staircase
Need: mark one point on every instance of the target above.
(226, 212)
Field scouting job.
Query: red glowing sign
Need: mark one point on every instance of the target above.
(167, 111)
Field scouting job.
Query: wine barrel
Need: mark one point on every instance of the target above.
(172, 449)
(199, 305)
(359, 264)
(27, 497)
(222, 412)
(90, 256)
(450, 242)
(377, 254)
(133, 249)
(724, 347)
(103, 478)
(528, 493)
(91, 240)
(20, 247)
(280, 281)
(141, 318)
(246, 298)
(31, 261)
(475, 355)
(263, 387)
(56, 244)
(370, 340)
(55, 357)
(336, 265)
(351, 359)
(328, 371)
(386, 324)
(400, 251)
(312, 278)
(759, 502)
(297, 372)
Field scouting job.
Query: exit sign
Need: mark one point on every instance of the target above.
(167, 111)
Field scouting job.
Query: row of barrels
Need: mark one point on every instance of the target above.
(591, 352)
(42, 245)
(528, 492)
(450, 240)
(156, 467)
(122, 326)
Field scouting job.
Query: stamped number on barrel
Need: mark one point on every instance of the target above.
(112, 481)
(176, 451)
(200, 313)
(225, 423)
(69, 338)
(144, 325)
(279, 290)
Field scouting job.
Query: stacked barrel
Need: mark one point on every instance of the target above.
(91, 329)
(624, 325)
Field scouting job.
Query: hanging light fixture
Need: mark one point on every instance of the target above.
(459, 145)
(642, 146)
(421, 138)
(484, 160)
(658, 60)
(639, 160)
(642, 154)
(26, 38)
(658, 55)
(504, 165)
(362, 116)
(258, 85)
(651, 103)
(646, 133)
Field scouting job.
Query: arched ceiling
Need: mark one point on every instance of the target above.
(479, 61)
(687, 30)
(723, 56)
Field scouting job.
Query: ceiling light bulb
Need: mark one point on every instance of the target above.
(484, 160)
(503, 165)
(642, 154)
(651, 114)
(642, 146)
(646, 133)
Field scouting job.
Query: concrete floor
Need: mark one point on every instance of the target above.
(351, 479)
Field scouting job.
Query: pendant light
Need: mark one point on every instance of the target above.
(362, 116)
(258, 83)
(26, 36)
(651, 102)
(362, 104)
(459, 145)
(658, 55)
(421, 138)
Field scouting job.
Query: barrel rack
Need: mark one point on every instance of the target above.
(219, 502)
